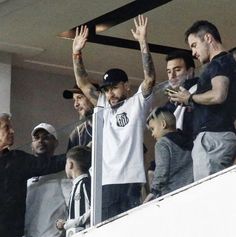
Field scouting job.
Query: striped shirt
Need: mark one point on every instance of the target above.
(79, 205)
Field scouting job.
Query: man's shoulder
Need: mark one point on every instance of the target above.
(86, 180)
(78, 128)
(220, 64)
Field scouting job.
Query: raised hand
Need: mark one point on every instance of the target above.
(80, 39)
(140, 32)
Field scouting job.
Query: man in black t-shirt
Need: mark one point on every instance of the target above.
(215, 143)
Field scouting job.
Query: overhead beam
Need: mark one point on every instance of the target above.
(131, 44)
(124, 13)
(119, 16)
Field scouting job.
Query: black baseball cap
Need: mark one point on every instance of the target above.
(68, 94)
(113, 77)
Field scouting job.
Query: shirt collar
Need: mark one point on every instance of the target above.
(219, 55)
(77, 179)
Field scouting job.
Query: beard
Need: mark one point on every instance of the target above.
(119, 102)
(86, 115)
(179, 81)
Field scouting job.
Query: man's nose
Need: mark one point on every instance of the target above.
(110, 93)
(172, 75)
(41, 139)
(76, 104)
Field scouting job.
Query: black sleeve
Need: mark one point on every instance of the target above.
(73, 139)
(35, 166)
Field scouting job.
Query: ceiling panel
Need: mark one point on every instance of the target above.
(29, 29)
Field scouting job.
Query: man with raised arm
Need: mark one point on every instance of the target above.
(124, 121)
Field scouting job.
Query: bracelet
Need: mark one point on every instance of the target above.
(77, 55)
(190, 99)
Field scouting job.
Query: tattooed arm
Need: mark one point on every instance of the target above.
(140, 34)
(81, 75)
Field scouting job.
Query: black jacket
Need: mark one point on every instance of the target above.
(16, 167)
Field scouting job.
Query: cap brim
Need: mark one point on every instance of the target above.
(104, 85)
(42, 128)
(68, 94)
(36, 129)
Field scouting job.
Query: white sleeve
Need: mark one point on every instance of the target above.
(80, 221)
(102, 102)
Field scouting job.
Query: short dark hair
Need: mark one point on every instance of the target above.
(181, 54)
(166, 114)
(202, 27)
(82, 156)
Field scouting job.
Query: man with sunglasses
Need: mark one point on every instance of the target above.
(124, 121)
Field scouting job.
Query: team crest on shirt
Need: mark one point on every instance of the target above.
(122, 119)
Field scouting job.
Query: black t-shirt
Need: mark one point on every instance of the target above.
(218, 117)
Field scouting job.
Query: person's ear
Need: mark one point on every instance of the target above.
(163, 124)
(208, 38)
(70, 164)
(127, 86)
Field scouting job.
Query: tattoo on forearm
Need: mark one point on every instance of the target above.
(148, 65)
(149, 70)
(80, 68)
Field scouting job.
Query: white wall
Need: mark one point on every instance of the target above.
(205, 208)
(37, 97)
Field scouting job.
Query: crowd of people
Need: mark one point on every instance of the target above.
(194, 133)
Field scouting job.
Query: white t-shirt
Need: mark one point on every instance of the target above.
(123, 139)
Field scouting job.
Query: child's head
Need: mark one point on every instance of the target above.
(161, 121)
(78, 161)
